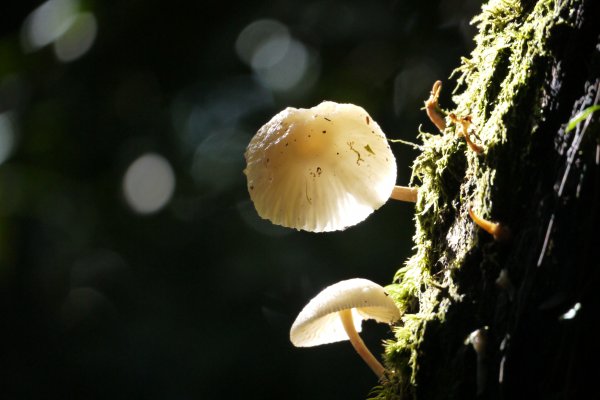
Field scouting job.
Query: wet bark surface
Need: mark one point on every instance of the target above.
(534, 297)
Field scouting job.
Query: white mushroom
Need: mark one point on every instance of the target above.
(337, 312)
(321, 169)
(478, 339)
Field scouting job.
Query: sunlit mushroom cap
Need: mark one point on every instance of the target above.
(319, 322)
(320, 169)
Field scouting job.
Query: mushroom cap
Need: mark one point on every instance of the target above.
(320, 169)
(319, 322)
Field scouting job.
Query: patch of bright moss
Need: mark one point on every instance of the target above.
(494, 85)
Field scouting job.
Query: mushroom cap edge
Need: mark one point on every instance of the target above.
(318, 322)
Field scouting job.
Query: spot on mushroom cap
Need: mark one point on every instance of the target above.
(320, 169)
(319, 322)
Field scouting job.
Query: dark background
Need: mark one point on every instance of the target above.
(194, 299)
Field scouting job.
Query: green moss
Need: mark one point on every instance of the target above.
(497, 87)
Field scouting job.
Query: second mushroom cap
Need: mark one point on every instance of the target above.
(318, 323)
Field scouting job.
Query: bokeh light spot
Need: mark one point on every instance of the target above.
(270, 52)
(253, 37)
(281, 63)
(217, 163)
(289, 71)
(59, 22)
(149, 183)
(46, 23)
(77, 39)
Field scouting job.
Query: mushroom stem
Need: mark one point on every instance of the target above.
(465, 123)
(359, 345)
(432, 108)
(478, 340)
(497, 230)
(405, 193)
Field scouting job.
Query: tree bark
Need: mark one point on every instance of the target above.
(510, 318)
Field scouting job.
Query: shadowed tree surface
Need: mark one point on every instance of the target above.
(132, 263)
(530, 297)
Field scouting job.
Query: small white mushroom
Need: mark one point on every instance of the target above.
(321, 169)
(337, 312)
(478, 339)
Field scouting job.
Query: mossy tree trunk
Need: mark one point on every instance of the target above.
(532, 297)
